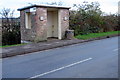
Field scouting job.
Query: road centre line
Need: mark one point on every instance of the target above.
(70, 65)
(116, 49)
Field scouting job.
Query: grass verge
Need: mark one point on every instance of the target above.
(12, 45)
(96, 35)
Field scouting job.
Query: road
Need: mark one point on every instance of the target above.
(95, 59)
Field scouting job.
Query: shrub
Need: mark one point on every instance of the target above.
(10, 28)
(88, 18)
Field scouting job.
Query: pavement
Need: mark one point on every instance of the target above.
(34, 47)
(95, 59)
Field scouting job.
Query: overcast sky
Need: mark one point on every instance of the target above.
(107, 6)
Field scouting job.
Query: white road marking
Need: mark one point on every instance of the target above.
(70, 65)
(116, 49)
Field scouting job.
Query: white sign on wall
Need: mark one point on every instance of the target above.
(41, 18)
(33, 9)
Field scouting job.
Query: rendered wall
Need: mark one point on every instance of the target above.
(52, 24)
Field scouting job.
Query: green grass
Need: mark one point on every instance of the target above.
(95, 35)
(84, 37)
(12, 45)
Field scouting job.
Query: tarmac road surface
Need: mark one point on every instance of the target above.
(95, 59)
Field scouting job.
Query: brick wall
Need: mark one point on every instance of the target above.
(41, 28)
(38, 31)
(38, 28)
(64, 23)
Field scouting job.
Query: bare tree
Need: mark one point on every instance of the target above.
(60, 3)
(7, 13)
(10, 27)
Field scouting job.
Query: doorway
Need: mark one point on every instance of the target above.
(52, 24)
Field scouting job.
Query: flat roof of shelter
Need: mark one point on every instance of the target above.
(46, 6)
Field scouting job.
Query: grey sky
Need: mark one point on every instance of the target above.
(107, 6)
